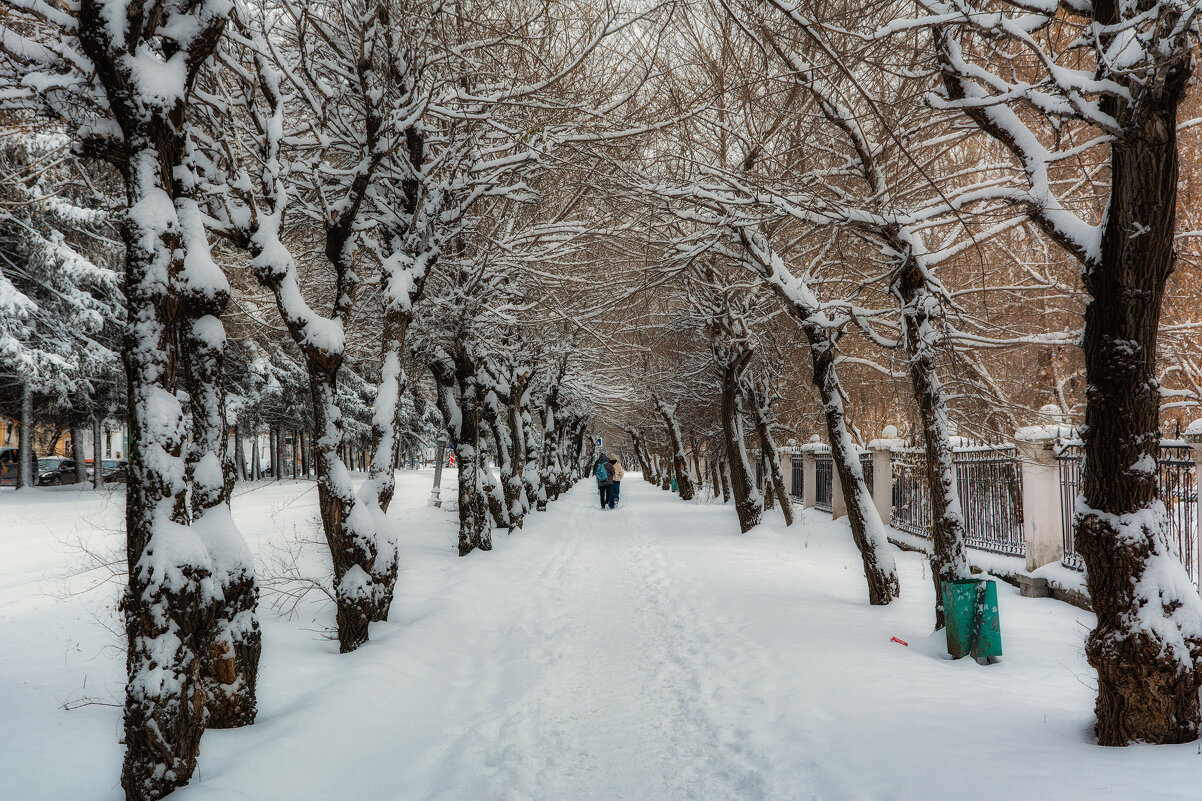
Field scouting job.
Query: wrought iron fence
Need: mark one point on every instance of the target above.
(1177, 489)
(1068, 460)
(989, 483)
(911, 504)
(866, 467)
(798, 489)
(823, 478)
(1178, 492)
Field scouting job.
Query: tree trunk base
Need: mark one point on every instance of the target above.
(1142, 695)
(231, 700)
(353, 617)
(230, 668)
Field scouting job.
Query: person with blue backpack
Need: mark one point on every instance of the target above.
(603, 472)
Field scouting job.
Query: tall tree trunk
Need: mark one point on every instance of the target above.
(255, 468)
(26, 473)
(239, 452)
(531, 475)
(866, 528)
(459, 401)
(494, 493)
(749, 505)
(377, 492)
(766, 481)
(229, 665)
(170, 601)
(1148, 640)
(353, 550)
(474, 530)
(949, 559)
(640, 453)
(77, 454)
(510, 486)
(523, 480)
(763, 426)
(579, 435)
(724, 474)
(97, 445)
(680, 466)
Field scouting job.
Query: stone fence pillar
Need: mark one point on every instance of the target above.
(1043, 516)
(882, 473)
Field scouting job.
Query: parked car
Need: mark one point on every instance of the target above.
(9, 457)
(111, 470)
(55, 470)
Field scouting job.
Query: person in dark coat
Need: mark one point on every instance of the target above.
(603, 468)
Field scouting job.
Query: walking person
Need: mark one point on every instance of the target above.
(618, 473)
(605, 480)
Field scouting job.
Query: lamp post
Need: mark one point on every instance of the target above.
(439, 455)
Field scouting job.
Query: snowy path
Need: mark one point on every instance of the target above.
(650, 653)
(623, 650)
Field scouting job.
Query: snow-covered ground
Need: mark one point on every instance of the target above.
(648, 653)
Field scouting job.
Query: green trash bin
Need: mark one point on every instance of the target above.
(971, 617)
(675, 486)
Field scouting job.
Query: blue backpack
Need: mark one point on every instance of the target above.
(602, 473)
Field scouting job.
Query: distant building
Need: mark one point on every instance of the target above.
(114, 438)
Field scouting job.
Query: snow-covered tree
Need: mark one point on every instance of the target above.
(60, 296)
(121, 76)
(1109, 78)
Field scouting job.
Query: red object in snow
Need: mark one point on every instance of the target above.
(894, 639)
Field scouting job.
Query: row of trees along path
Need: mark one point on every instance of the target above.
(395, 215)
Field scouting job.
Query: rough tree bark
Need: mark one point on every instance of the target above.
(77, 454)
(498, 417)
(169, 602)
(949, 559)
(763, 425)
(97, 451)
(230, 662)
(640, 453)
(523, 481)
(1147, 643)
(866, 528)
(680, 466)
(749, 504)
(25, 471)
(551, 433)
(239, 452)
(459, 401)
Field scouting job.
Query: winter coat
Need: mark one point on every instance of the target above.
(618, 472)
(609, 473)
